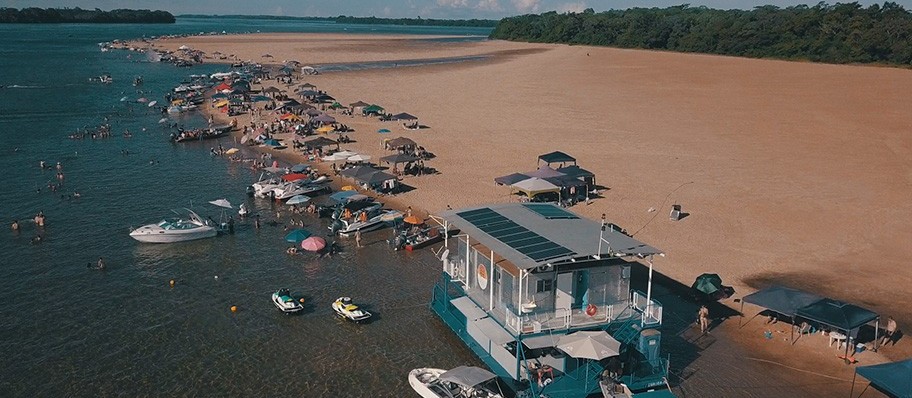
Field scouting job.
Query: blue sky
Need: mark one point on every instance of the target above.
(449, 9)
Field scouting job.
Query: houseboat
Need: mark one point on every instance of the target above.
(543, 297)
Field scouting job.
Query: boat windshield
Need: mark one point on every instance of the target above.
(170, 225)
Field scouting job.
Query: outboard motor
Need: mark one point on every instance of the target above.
(250, 191)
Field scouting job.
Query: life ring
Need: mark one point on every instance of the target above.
(591, 309)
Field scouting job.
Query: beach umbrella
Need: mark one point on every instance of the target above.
(595, 345)
(267, 55)
(294, 177)
(414, 220)
(320, 142)
(298, 199)
(221, 203)
(359, 158)
(347, 188)
(272, 142)
(325, 129)
(342, 196)
(297, 235)
(336, 105)
(290, 116)
(220, 104)
(299, 168)
(307, 86)
(708, 283)
(383, 131)
(232, 151)
(313, 244)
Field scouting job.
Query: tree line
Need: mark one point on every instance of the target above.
(840, 33)
(78, 15)
(483, 23)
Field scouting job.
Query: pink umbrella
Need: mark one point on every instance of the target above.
(313, 244)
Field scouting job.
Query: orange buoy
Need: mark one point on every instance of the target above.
(233, 308)
(301, 300)
(591, 309)
(171, 283)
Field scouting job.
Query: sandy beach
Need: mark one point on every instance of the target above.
(792, 173)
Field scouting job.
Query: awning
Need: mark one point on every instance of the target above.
(781, 299)
(545, 341)
(468, 308)
(894, 377)
(494, 331)
(467, 376)
(837, 314)
(510, 179)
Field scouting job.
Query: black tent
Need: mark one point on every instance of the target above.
(375, 178)
(781, 299)
(835, 313)
(894, 378)
(358, 171)
(319, 142)
(557, 157)
(842, 316)
(511, 179)
(576, 172)
(404, 116)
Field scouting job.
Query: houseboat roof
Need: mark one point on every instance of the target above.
(534, 234)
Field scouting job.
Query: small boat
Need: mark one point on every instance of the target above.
(292, 189)
(460, 382)
(349, 311)
(364, 220)
(188, 227)
(415, 240)
(285, 302)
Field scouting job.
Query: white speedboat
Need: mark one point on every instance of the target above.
(292, 189)
(461, 382)
(349, 311)
(362, 220)
(182, 229)
(285, 302)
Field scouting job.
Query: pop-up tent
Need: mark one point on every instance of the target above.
(893, 378)
(534, 186)
(781, 299)
(842, 316)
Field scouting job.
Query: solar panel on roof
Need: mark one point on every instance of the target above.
(550, 212)
(516, 236)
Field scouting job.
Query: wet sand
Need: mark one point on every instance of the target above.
(792, 173)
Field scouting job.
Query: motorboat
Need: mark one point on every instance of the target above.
(292, 189)
(349, 311)
(460, 382)
(185, 228)
(364, 220)
(417, 238)
(284, 301)
(265, 186)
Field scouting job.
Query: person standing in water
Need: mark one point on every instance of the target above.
(15, 226)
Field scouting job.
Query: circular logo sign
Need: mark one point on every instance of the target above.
(482, 276)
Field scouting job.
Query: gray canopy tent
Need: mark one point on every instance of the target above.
(894, 378)
(510, 179)
(842, 316)
(781, 299)
(468, 376)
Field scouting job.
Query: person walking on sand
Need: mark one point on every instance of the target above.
(358, 237)
(703, 316)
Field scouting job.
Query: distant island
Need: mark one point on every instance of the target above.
(841, 33)
(78, 15)
(481, 23)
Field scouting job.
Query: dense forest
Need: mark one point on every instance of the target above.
(78, 15)
(841, 33)
(485, 23)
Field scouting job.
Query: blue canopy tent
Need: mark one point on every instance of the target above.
(842, 316)
(781, 299)
(893, 378)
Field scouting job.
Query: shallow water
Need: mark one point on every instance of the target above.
(71, 331)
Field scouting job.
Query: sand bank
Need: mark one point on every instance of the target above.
(791, 172)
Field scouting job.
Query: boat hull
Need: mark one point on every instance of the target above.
(154, 234)
(414, 379)
(285, 308)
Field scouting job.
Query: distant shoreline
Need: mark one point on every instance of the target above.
(479, 23)
(77, 15)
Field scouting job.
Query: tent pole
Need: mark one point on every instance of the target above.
(852, 390)
(848, 332)
(792, 335)
(876, 336)
(741, 312)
